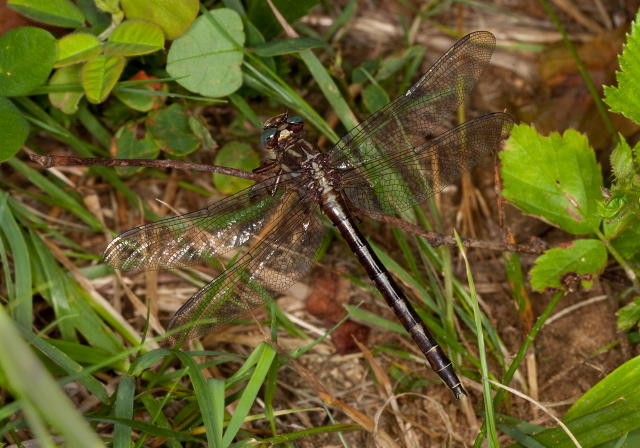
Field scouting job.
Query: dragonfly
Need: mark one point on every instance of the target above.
(387, 164)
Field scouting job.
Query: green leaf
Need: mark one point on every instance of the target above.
(174, 17)
(204, 60)
(128, 146)
(235, 155)
(629, 315)
(53, 12)
(27, 56)
(554, 178)
(622, 163)
(14, 129)
(77, 47)
(627, 243)
(135, 37)
(581, 259)
(620, 384)
(288, 46)
(99, 75)
(624, 99)
(138, 100)
(67, 102)
(170, 128)
(374, 97)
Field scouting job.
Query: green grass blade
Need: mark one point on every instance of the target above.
(30, 382)
(124, 410)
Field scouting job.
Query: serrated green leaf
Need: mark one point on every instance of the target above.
(128, 146)
(622, 163)
(54, 12)
(27, 56)
(170, 128)
(624, 99)
(288, 46)
(204, 61)
(174, 17)
(585, 259)
(77, 47)
(555, 178)
(99, 75)
(135, 37)
(235, 155)
(67, 102)
(629, 315)
(14, 129)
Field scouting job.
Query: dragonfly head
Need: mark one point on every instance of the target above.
(279, 129)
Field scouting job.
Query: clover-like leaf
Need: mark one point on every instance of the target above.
(53, 12)
(68, 101)
(14, 129)
(204, 61)
(27, 56)
(99, 75)
(235, 155)
(77, 47)
(134, 37)
(174, 17)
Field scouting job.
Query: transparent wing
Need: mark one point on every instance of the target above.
(397, 181)
(285, 254)
(408, 120)
(187, 239)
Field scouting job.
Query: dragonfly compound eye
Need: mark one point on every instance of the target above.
(296, 123)
(269, 138)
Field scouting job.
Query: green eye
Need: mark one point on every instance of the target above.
(295, 119)
(268, 138)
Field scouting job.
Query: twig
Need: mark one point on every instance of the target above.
(51, 161)
(435, 239)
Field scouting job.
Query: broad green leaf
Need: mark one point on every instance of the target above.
(582, 260)
(555, 178)
(99, 75)
(629, 315)
(27, 56)
(204, 61)
(67, 102)
(624, 99)
(288, 46)
(174, 17)
(134, 37)
(53, 12)
(14, 129)
(615, 417)
(170, 128)
(77, 47)
(620, 384)
(128, 146)
(235, 155)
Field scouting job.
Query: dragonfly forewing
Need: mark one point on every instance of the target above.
(410, 119)
(200, 236)
(399, 180)
(285, 254)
